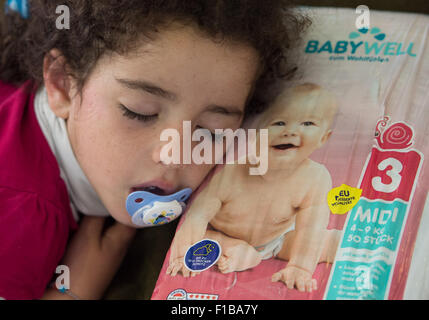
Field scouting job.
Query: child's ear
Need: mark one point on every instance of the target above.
(57, 83)
(325, 138)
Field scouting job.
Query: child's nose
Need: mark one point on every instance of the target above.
(290, 130)
(156, 153)
(167, 153)
(174, 142)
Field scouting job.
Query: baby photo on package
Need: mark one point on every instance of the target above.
(281, 213)
(336, 211)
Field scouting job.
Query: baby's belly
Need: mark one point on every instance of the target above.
(254, 232)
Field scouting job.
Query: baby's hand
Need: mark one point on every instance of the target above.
(294, 276)
(188, 234)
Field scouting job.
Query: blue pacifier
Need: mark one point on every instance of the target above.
(147, 209)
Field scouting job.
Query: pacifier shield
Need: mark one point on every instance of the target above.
(147, 209)
(162, 213)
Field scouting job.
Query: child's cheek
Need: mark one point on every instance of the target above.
(274, 131)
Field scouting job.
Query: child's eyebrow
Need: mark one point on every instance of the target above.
(147, 87)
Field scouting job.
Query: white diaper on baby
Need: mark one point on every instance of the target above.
(272, 248)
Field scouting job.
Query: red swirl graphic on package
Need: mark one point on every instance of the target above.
(397, 136)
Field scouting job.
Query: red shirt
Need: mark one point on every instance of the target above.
(35, 213)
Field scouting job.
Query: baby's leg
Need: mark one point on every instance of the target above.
(237, 255)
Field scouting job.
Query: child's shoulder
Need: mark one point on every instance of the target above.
(227, 178)
(317, 183)
(19, 126)
(317, 171)
(316, 166)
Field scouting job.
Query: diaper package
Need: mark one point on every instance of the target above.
(341, 210)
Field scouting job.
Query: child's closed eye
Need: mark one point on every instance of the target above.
(133, 115)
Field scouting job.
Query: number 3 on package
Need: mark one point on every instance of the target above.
(390, 175)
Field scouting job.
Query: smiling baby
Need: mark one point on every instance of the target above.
(283, 213)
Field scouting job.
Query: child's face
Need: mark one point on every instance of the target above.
(179, 76)
(298, 125)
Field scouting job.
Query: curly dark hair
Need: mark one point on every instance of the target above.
(272, 27)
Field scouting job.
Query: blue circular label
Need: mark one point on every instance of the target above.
(202, 255)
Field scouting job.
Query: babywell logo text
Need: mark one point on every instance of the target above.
(224, 141)
(376, 50)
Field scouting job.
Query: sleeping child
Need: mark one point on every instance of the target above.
(283, 213)
(82, 111)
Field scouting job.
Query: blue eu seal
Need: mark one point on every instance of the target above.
(202, 255)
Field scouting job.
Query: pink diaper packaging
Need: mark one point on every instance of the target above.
(376, 158)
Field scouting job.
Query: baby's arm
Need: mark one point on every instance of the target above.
(310, 230)
(311, 224)
(202, 210)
